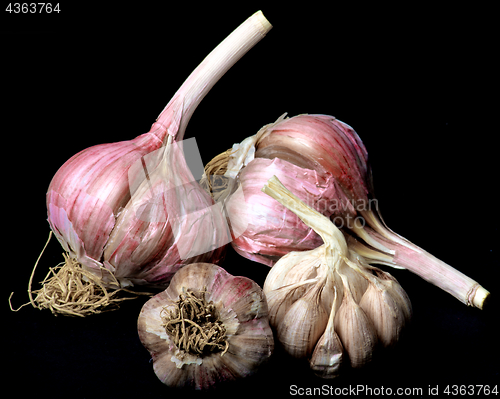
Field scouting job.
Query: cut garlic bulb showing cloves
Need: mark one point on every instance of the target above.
(328, 305)
(206, 327)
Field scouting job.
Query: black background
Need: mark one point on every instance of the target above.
(419, 85)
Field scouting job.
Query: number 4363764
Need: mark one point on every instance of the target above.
(33, 8)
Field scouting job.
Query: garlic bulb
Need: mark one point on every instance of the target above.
(131, 212)
(324, 162)
(328, 303)
(206, 327)
(306, 167)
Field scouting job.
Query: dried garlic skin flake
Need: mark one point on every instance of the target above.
(206, 327)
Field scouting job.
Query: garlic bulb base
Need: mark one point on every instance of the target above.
(194, 327)
(230, 314)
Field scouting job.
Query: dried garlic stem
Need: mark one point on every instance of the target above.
(211, 69)
(422, 263)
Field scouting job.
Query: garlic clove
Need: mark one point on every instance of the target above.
(398, 293)
(289, 279)
(356, 331)
(385, 313)
(303, 324)
(197, 375)
(356, 282)
(281, 299)
(328, 354)
(237, 366)
(293, 267)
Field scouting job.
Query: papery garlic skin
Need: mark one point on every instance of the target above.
(242, 309)
(89, 198)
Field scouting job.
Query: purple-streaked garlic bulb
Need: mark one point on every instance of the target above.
(131, 212)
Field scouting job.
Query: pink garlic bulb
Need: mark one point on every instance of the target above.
(319, 158)
(129, 212)
(324, 162)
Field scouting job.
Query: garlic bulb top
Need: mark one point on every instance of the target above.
(207, 326)
(327, 303)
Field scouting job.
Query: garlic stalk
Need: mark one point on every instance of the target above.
(206, 327)
(325, 163)
(328, 303)
(113, 206)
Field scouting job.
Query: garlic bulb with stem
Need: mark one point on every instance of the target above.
(122, 210)
(321, 302)
(206, 327)
(325, 163)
